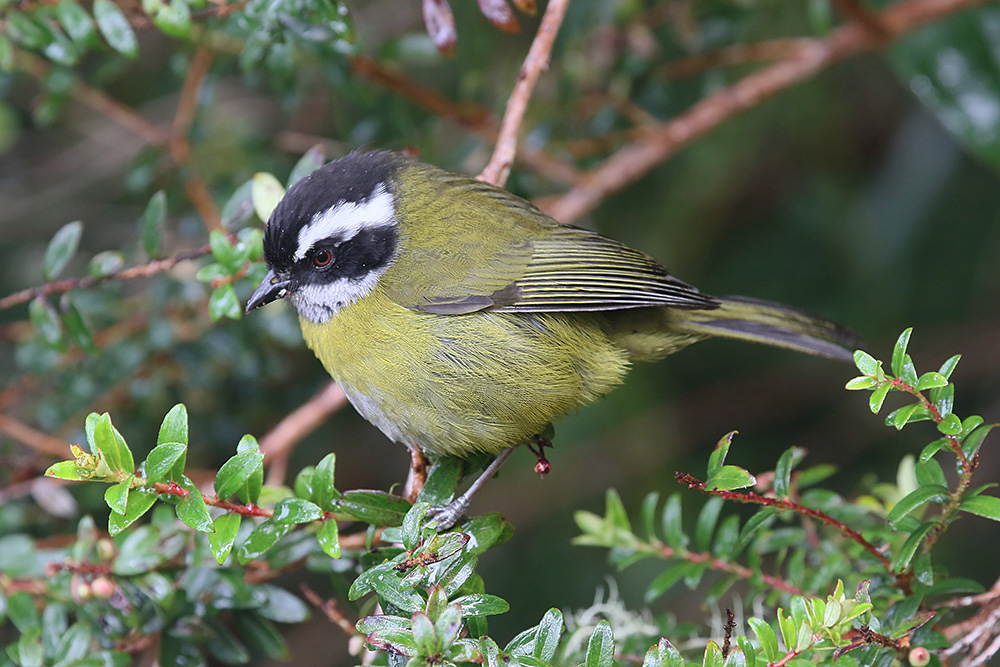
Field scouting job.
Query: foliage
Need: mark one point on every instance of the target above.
(156, 579)
(139, 307)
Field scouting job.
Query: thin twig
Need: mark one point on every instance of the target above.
(180, 148)
(37, 440)
(278, 443)
(329, 609)
(902, 579)
(131, 273)
(106, 106)
(632, 162)
(498, 168)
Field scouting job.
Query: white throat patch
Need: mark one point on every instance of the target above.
(346, 220)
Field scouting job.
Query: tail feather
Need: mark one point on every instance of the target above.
(771, 324)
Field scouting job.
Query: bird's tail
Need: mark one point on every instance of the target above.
(769, 323)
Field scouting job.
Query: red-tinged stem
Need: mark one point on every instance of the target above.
(902, 578)
(730, 567)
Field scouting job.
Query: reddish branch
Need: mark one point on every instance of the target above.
(498, 169)
(634, 161)
(131, 273)
(277, 445)
(902, 579)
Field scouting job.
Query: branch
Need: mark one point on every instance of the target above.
(498, 168)
(131, 273)
(277, 444)
(901, 579)
(662, 142)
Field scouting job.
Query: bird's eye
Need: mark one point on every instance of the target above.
(322, 258)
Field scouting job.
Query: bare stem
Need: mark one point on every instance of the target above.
(498, 168)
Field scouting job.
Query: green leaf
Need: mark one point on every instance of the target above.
(175, 19)
(221, 539)
(901, 559)
(238, 208)
(899, 418)
(899, 352)
(707, 519)
(783, 471)
(115, 28)
(600, 647)
(985, 506)
(972, 442)
(866, 363)
(250, 491)
(65, 470)
(152, 223)
(139, 502)
(950, 425)
(929, 472)
(413, 523)
(860, 382)
(45, 321)
(615, 514)
(667, 579)
(23, 29)
(105, 263)
(482, 604)
(75, 21)
(263, 537)
(712, 656)
(329, 538)
(765, 635)
(673, 527)
(266, 192)
(261, 635)
(550, 629)
(116, 496)
(943, 399)
(312, 160)
(948, 367)
(930, 380)
(29, 648)
(296, 510)
(663, 654)
(878, 397)
(718, 456)
(235, 472)
(282, 606)
(375, 507)
(224, 304)
(112, 446)
(729, 478)
(22, 612)
(916, 498)
(324, 493)
(161, 459)
(61, 249)
(192, 509)
(76, 327)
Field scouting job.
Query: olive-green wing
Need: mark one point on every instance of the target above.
(479, 247)
(573, 270)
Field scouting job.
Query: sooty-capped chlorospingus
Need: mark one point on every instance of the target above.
(459, 318)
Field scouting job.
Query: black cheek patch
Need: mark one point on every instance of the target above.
(369, 250)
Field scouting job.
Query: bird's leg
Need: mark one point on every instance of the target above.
(417, 476)
(448, 516)
(537, 446)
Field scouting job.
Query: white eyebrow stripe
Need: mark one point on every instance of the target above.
(346, 220)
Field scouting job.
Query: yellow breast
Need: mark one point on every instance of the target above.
(455, 384)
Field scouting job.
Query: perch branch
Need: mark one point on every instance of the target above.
(632, 162)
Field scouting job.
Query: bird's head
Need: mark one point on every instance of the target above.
(332, 236)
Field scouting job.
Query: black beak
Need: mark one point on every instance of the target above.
(270, 289)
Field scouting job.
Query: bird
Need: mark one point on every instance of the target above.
(459, 318)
